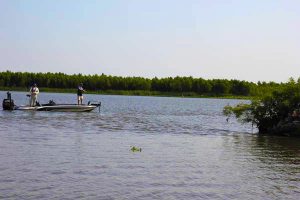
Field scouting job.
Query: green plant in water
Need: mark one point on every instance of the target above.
(136, 149)
(270, 112)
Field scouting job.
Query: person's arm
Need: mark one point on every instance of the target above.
(37, 91)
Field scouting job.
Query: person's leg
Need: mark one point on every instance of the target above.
(78, 99)
(35, 99)
(31, 101)
(81, 98)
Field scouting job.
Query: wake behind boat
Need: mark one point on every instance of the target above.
(8, 104)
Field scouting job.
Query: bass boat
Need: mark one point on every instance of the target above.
(8, 104)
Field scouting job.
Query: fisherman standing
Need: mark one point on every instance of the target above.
(34, 91)
(80, 91)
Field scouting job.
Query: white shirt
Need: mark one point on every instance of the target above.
(34, 90)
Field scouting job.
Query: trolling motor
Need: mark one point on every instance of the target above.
(95, 104)
(8, 103)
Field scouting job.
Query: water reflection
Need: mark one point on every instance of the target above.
(281, 150)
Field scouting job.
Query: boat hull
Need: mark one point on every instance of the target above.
(25, 108)
(67, 108)
(59, 108)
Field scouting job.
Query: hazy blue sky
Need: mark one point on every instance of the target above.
(233, 39)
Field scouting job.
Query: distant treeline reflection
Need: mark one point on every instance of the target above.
(196, 86)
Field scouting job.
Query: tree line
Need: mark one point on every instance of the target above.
(198, 86)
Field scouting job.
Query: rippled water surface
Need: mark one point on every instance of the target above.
(189, 151)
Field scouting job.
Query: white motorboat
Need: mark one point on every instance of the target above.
(8, 104)
(60, 108)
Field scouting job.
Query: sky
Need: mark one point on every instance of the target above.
(253, 40)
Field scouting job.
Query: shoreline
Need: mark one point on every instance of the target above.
(130, 93)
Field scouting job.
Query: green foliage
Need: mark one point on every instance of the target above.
(136, 149)
(240, 88)
(220, 87)
(271, 109)
(239, 110)
(185, 86)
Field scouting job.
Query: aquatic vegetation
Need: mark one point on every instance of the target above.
(136, 149)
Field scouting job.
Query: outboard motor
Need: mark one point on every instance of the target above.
(8, 103)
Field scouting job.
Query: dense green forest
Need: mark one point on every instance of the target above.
(177, 85)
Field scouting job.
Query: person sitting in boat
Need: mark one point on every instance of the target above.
(80, 92)
(34, 91)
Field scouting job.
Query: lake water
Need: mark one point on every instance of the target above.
(189, 151)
